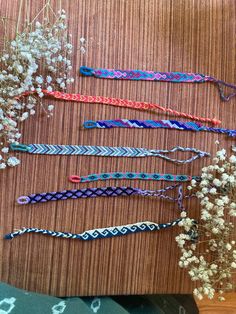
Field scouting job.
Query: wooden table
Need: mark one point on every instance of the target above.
(164, 35)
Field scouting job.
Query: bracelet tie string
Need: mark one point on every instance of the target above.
(174, 77)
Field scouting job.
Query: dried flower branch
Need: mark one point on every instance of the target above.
(208, 247)
(37, 59)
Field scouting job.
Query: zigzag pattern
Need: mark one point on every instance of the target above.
(156, 124)
(108, 151)
(131, 176)
(99, 233)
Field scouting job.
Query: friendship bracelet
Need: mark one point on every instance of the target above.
(103, 191)
(139, 105)
(131, 176)
(174, 77)
(99, 233)
(155, 124)
(108, 151)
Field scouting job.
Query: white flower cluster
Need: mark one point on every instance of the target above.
(208, 250)
(41, 48)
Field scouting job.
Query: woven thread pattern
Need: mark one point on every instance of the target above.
(152, 124)
(174, 77)
(99, 233)
(103, 191)
(118, 102)
(74, 194)
(131, 176)
(109, 151)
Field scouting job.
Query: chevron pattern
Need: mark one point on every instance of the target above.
(108, 151)
(88, 150)
(156, 124)
(100, 233)
(119, 102)
(131, 176)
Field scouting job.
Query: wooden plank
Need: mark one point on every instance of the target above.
(180, 35)
(217, 307)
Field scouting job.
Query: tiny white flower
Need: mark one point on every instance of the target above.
(5, 150)
(50, 107)
(49, 79)
(13, 161)
(217, 182)
(39, 79)
(232, 159)
(2, 165)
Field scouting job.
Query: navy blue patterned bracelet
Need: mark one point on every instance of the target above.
(156, 124)
(103, 192)
(99, 233)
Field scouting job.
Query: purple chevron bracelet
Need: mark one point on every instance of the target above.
(104, 191)
(174, 77)
(155, 124)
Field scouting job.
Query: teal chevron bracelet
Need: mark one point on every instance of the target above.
(174, 77)
(99, 233)
(131, 176)
(108, 151)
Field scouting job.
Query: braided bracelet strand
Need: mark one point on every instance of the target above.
(99, 233)
(139, 105)
(156, 124)
(103, 191)
(131, 176)
(47, 149)
(174, 77)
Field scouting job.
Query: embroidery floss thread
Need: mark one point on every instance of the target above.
(131, 176)
(174, 77)
(103, 191)
(108, 151)
(118, 102)
(99, 233)
(156, 124)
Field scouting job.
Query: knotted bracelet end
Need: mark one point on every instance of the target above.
(86, 71)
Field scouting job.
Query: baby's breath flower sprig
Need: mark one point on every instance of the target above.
(208, 247)
(37, 59)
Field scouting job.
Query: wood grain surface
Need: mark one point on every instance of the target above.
(207, 306)
(164, 35)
